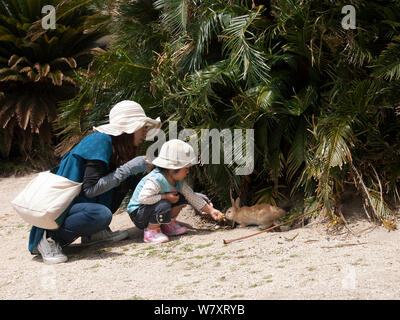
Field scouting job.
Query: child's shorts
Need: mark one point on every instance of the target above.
(157, 213)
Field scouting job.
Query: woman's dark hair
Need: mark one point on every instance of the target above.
(123, 149)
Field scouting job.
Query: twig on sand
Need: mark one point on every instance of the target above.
(366, 229)
(344, 245)
(291, 239)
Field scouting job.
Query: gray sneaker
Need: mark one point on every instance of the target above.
(104, 236)
(51, 251)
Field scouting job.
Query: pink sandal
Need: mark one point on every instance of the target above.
(173, 228)
(154, 236)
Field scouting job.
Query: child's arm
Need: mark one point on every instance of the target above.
(149, 194)
(199, 203)
(216, 214)
(196, 201)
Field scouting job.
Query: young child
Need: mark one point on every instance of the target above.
(161, 194)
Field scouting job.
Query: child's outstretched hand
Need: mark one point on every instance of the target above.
(217, 215)
(214, 213)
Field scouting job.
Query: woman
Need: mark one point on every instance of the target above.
(106, 164)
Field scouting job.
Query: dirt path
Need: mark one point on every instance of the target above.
(303, 263)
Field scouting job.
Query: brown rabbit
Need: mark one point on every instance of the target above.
(264, 215)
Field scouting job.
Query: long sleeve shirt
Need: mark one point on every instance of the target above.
(149, 195)
(98, 179)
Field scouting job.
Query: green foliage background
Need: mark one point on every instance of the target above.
(323, 101)
(37, 67)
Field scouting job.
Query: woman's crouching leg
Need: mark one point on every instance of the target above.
(83, 219)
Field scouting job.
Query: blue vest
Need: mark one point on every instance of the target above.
(96, 146)
(156, 176)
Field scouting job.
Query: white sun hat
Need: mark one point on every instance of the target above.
(175, 154)
(127, 117)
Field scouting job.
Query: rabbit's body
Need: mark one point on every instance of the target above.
(264, 215)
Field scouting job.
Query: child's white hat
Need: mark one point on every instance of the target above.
(128, 117)
(175, 154)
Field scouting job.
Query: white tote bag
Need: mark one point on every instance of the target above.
(45, 198)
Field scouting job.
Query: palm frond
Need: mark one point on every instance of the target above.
(175, 14)
(388, 63)
(238, 38)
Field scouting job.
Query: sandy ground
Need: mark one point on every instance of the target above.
(302, 263)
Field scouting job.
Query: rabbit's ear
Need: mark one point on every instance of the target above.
(237, 203)
(232, 201)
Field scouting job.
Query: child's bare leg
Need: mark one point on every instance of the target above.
(175, 210)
